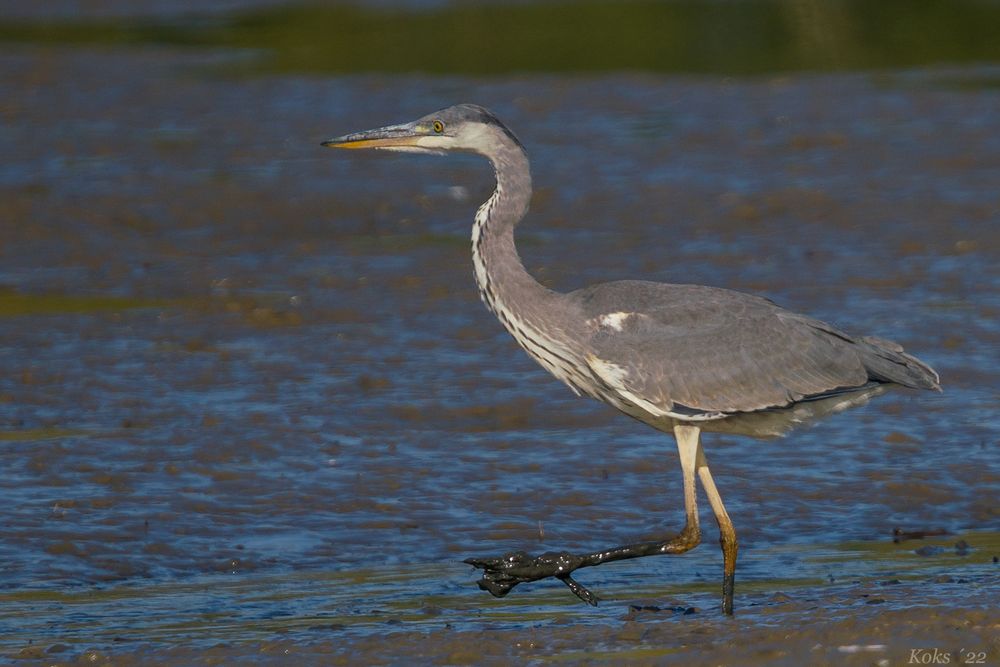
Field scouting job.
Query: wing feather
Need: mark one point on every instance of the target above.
(713, 350)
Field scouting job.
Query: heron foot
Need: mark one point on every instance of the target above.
(502, 574)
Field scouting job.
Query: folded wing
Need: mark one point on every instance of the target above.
(694, 351)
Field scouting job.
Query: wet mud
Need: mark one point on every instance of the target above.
(251, 410)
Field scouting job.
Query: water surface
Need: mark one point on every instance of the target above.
(251, 407)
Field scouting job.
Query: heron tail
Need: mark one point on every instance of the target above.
(887, 362)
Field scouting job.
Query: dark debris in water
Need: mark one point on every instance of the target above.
(647, 612)
(901, 535)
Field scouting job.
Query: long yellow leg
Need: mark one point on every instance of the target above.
(502, 574)
(727, 534)
(688, 445)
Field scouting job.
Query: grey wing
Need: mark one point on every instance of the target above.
(689, 351)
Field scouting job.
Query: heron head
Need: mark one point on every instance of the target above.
(464, 127)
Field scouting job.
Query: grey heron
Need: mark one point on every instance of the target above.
(680, 358)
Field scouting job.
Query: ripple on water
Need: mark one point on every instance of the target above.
(253, 402)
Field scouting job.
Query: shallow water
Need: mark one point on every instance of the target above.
(251, 407)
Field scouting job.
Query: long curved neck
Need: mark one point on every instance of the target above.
(536, 317)
(504, 283)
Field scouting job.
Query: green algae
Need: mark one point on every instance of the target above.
(15, 304)
(729, 38)
(35, 434)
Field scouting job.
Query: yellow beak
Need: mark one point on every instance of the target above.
(393, 136)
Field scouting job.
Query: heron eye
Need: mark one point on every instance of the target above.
(438, 126)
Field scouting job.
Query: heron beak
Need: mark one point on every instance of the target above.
(393, 137)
